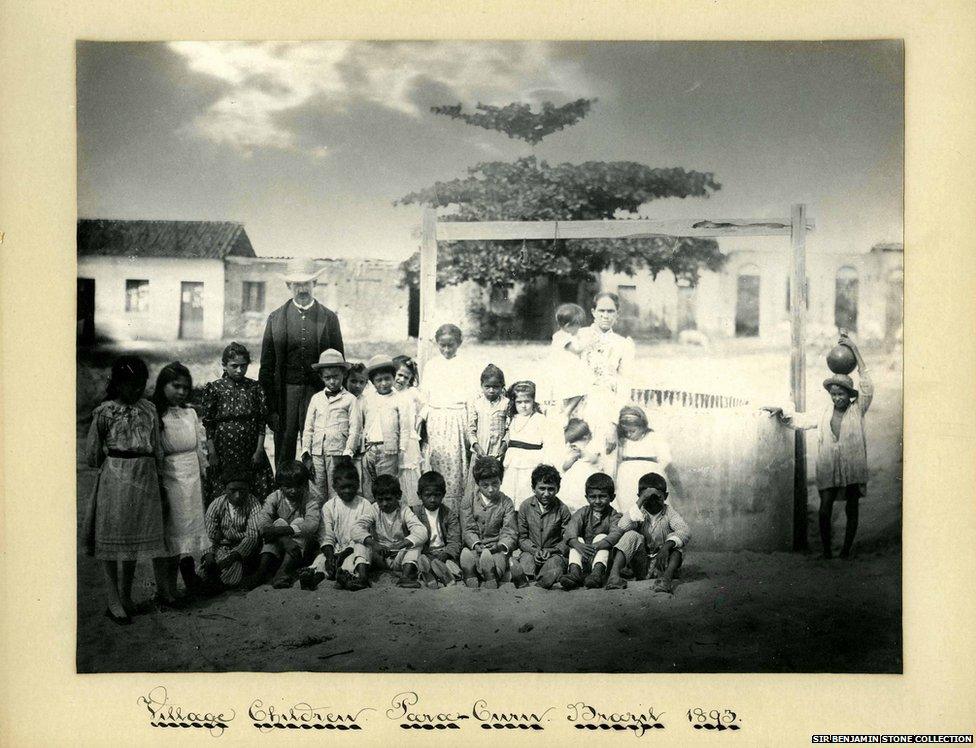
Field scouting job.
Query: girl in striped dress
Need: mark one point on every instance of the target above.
(124, 523)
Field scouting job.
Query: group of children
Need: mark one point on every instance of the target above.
(420, 479)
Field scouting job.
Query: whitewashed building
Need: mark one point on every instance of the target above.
(154, 280)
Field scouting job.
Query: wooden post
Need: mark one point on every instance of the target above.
(428, 284)
(798, 369)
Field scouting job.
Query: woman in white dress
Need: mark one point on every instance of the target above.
(183, 441)
(609, 359)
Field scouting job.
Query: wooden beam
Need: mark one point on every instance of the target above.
(428, 284)
(617, 229)
(798, 370)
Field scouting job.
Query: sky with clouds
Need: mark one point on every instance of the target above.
(309, 144)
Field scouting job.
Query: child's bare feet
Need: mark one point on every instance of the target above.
(664, 584)
(471, 582)
(614, 582)
(309, 578)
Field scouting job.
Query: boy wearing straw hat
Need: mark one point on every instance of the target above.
(296, 333)
(333, 424)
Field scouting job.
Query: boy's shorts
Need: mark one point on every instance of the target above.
(639, 561)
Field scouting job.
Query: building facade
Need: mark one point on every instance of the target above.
(154, 280)
(201, 280)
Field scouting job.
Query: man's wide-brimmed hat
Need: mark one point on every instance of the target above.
(841, 380)
(301, 270)
(377, 363)
(331, 359)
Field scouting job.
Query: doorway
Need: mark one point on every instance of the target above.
(686, 312)
(747, 305)
(845, 299)
(413, 312)
(86, 311)
(191, 311)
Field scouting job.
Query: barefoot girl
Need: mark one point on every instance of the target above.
(445, 391)
(488, 421)
(125, 517)
(183, 441)
(842, 465)
(405, 381)
(235, 413)
(527, 430)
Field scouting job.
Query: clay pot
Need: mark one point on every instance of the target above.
(841, 359)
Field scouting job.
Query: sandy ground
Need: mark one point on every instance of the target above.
(731, 612)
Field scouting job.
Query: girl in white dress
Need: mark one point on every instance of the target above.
(527, 436)
(641, 450)
(405, 382)
(579, 461)
(183, 441)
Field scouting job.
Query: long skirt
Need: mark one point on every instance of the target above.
(183, 526)
(410, 473)
(447, 450)
(125, 515)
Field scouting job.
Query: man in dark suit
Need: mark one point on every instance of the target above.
(296, 333)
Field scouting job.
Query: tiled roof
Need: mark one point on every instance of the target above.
(188, 239)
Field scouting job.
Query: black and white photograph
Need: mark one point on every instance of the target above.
(490, 356)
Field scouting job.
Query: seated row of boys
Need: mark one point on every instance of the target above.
(594, 547)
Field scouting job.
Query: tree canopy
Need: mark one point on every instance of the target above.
(518, 120)
(533, 190)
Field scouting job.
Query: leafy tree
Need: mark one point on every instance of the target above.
(519, 121)
(533, 190)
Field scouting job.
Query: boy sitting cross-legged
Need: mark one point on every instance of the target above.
(389, 536)
(488, 526)
(289, 517)
(542, 520)
(339, 515)
(438, 560)
(591, 534)
(654, 537)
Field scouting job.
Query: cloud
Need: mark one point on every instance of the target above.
(268, 79)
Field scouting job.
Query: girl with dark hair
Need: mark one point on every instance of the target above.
(527, 436)
(235, 414)
(184, 467)
(448, 385)
(406, 381)
(124, 523)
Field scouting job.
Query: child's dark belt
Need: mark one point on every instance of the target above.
(126, 454)
(523, 445)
